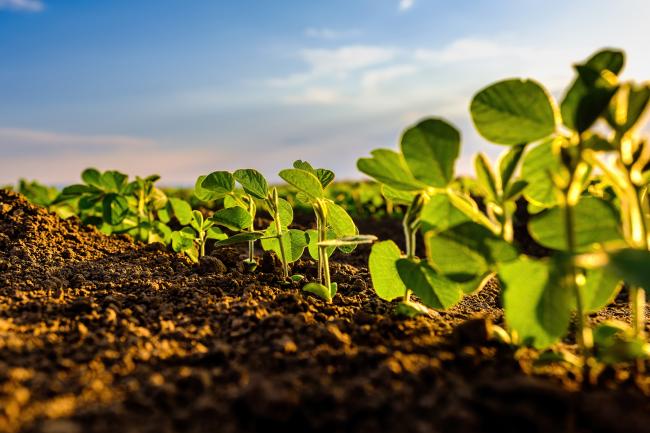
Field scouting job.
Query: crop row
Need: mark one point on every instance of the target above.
(580, 164)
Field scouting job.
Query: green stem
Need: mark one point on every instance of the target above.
(251, 244)
(283, 254)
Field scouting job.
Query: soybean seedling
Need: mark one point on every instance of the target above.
(192, 238)
(334, 227)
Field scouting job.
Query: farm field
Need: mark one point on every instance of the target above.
(419, 300)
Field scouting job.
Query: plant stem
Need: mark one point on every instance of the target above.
(251, 244)
(320, 230)
(275, 205)
(323, 259)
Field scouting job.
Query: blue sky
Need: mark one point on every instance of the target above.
(182, 87)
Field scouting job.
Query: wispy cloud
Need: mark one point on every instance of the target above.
(466, 49)
(331, 34)
(337, 62)
(374, 78)
(315, 96)
(405, 5)
(22, 5)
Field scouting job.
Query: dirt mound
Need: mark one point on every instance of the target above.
(98, 334)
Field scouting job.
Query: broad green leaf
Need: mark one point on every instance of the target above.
(202, 193)
(234, 218)
(304, 165)
(389, 167)
(181, 209)
(240, 238)
(303, 181)
(325, 176)
(537, 306)
(160, 232)
(508, 162)
(319, 290)
(631, 266)
(342, 224)
(294, 241)
(605, 60)
(434, 290)
(513, 111)
(536, 169)
(87, 202)
(253, 182)
(397, 196)
(181, 242)
(515, 189)
(79, 189)
(92, 177)
(467, 253)
(114, 208)
(219, 184)
(312, 246)
(286, 212)
(439, 214)
(113, 181)
(216, 233)
(382, 264)
(595, 221)
(600, 288)
(466, 204)
(430, 149)
(485, 177)
(197, 221)
(594, 102)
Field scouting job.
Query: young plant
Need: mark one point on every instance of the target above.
(334, 227)
(192, 238)
(540, 294)
(421, 177)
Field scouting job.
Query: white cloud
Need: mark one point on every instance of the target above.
(47, 140)
(405, 5)
(331, 34)
(467, 49)
(315, 96)
(336, 63)
(373, 79)
(22, 5)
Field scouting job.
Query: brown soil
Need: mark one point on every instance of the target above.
(99, 334)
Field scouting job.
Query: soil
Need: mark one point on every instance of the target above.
(99, 334)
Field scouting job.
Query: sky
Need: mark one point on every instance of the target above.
(187, 87)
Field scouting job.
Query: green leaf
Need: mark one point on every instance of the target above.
(286, 212)
(467, 253)
(433, 290)
(197, 221)
(383, 270)
(74, 190)
(304, 181)
(325, 176)
(181, 242)
(234, 218)
(253, 183)
(319, 290)
(631, 266)
(240, 238)
(216, 233)
(439, 214)
(508, 163)
(113, 181)
(610, 60)
(218, 183)
(536, 169)
(389, 167)
(595, 221)
(397, 196)
(600, 288)
(114, 208)
(513, 111)
(430, 149)
(485, 177)
(466, 204)
(312, 246)
(294, 241)
(537, 306)
(181, 209)
(160, 233)
(92, 177)
(202, 193)
(515, 189)
(594, 101)
(342, 224)
(304, 165)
